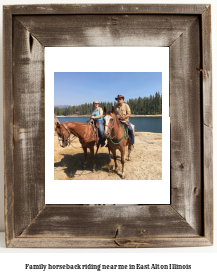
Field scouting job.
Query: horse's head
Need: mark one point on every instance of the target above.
(109, 121)
(63, 134)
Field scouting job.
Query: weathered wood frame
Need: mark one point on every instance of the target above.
(186, 29)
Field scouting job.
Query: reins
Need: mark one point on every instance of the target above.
(111, 127)
(69, 132)
(79, 135)
(119, 125)
(124, 137)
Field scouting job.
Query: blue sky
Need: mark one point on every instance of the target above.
(75, 88)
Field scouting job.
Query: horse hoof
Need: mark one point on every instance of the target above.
(123, 176)
(94, 169)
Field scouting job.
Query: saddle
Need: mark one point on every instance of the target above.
(124, 123)
(95, 129)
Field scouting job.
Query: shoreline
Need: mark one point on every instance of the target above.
(132, 116)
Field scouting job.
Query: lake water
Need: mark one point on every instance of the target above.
(143, 124)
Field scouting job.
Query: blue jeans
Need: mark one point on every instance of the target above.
(130, 130)
(101, 132)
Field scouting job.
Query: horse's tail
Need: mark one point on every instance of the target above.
(133, 127)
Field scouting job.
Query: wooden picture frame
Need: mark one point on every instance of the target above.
(186, 30)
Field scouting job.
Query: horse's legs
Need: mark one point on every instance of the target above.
(130, 143)
(109, 153)
(92, 156)
(129, 148)
(129, 151)
(85, 157)
(115, 159)
(114, 156)
(97, 148)
(122, 161)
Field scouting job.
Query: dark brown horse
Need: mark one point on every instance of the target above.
(117, 136)
(86, 134)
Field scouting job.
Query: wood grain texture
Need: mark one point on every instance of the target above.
(186, 133)
(106, 9)
(109, 222)
(186, 29)
(107, 30)
(207, 122)
(29, 130)
(207, 67)
(8, 125)
(62, 242)
(208, 182)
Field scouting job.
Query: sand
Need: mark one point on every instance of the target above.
(145, 163)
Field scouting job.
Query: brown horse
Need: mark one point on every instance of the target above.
(86, 134)
(117, 137)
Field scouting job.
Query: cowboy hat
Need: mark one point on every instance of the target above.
(119, 96)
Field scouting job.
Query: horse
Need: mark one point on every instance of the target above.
(117, 136)
(85, 133)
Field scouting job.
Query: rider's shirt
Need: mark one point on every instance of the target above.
(96, 113)
(122, 110)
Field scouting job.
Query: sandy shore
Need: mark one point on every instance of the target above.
(145, 163)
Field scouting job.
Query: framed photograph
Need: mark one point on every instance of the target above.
(49, 44)
(70, 81)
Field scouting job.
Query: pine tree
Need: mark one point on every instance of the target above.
(140, 106)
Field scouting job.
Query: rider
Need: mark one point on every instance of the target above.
(97, 115)
(122, 110)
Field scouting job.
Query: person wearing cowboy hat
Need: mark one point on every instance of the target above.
(122, 110)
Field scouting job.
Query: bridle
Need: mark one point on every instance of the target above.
(64, 139)
(111, 127)
(68, 140)
(119, 125)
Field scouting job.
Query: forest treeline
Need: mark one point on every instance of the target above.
(151, 105)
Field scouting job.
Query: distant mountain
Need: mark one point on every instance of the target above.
(62, 106)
